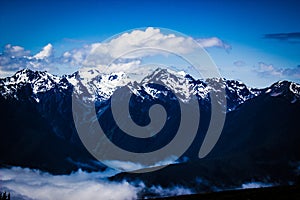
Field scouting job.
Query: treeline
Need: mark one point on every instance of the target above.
(4, 196)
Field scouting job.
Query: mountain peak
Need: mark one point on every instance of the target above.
(160, 73)
(295, 88)
(284, 88)
(174, 80)
(39, 81)
(289, 90)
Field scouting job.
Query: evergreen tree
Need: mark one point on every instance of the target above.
(4, 196)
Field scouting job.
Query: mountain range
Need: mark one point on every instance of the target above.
(259, 142)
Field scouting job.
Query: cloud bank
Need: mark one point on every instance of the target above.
(100, 54)
(28, 184)
(14, 58)
(80, 185)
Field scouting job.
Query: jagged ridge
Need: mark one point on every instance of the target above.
(101, 86)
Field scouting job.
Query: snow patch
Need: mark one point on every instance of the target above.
(268, 91)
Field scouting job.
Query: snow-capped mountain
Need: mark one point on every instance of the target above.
(286, 89)
(39, 82)
(91, 85)
(96, 86)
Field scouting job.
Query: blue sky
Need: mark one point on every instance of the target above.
(264, 35)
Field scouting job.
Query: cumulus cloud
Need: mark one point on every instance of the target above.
(142, 40)
(14, 58)
(28, 184)
(131, 47)
(15, 51)
(45, 52)
(269, 70)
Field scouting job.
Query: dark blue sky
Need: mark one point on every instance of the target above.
(242, 24)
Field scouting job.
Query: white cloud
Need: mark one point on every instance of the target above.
(103, 53)
(14, 58)
(213, 42)
(15, 51)
(28, 184)
(283, 73)
(268, 69)
(151, 41)
(80, 185)
(45, 52)
(146, 42)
